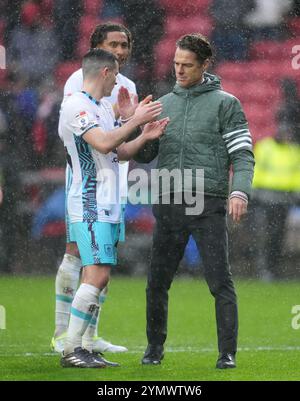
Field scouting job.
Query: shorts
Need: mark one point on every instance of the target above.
(97, 242)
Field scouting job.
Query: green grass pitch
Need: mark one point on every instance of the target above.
(269, 348)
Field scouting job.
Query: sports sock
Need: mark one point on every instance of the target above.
(92, 329)
(84, 306)
(66, 283)
(102, 298)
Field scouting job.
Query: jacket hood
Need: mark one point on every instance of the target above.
(211, 83)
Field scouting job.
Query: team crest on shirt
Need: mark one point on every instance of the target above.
(82, 119)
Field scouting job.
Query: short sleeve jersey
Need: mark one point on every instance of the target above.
(74, 84)
(93, 194)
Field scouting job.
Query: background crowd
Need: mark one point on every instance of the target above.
(255, 44)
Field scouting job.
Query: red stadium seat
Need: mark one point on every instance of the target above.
(3, 79)
(259, 92)
(46, 12)
(86, 26)
(164, 55)
(54, 229)
(258, 114)
(270, 50)
(294, 26)
(261, 130)
(187, 7)
(232, 71)
(259, 127)
(255, 70)
(64, 70)
(93, 7)
(82, 47)
(2, 31)
(176, 26)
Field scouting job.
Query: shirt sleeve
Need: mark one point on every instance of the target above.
(235, 130)
(82, 121)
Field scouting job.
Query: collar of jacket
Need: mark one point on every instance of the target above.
(211, 83)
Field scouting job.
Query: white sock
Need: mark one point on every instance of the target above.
(102, 298)
(83, 308)
(66, 284)
(88, 337)
(93, 327)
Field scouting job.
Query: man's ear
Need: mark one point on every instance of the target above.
(104, 72)
(206, 64)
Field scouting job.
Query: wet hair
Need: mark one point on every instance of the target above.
(101, 31)
(95, 59)
(198, 44)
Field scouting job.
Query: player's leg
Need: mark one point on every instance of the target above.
(84, 310)
(106, 236)
(100, 344)
(66, 284)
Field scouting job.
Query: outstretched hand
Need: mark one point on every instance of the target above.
(155, 129)
(147, 110)
(127, 103)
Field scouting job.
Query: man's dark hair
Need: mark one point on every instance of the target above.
(101, 31)
(196, 43)
(95, 59)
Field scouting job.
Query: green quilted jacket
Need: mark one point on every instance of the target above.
(207, 130)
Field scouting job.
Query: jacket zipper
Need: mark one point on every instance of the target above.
(183, 133)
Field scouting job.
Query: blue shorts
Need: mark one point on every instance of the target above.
(97, 242)
(70, 238)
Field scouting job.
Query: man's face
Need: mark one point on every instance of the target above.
(110, 80)
(188, 70)
(116, 43)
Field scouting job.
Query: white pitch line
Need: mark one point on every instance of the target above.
(168, 349)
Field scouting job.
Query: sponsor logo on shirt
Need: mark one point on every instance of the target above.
(82, 119)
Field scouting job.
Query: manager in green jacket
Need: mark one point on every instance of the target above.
(207, 131)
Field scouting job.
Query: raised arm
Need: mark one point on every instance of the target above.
(105, 142)
(150, 132)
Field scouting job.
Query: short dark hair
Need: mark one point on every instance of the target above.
(96, 59)
(196, 43)
(101, 31)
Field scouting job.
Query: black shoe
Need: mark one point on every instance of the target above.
(110, 364)
(153, 355)
(226, 361)
(81, 358)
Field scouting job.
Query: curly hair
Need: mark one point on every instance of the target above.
(101, 31)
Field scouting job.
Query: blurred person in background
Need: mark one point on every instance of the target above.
(230, 35)
(145, 19)
(288, 113)
(33, 49)
(276, 188)
(9, 189)
(267, 20)
(66, 15)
